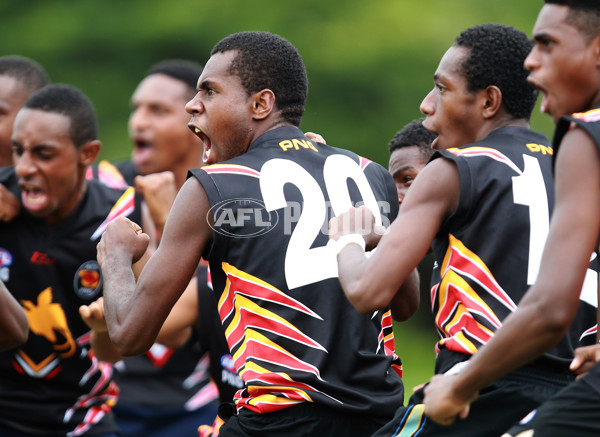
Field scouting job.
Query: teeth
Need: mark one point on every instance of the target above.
(196, 130)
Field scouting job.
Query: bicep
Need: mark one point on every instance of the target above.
(187, 232)
(430, 200)
(575, 222)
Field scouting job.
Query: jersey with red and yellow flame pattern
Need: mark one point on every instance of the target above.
(489, 250)
(293, 335)
(53, 383)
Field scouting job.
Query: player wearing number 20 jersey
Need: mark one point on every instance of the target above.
(293, 335)
(488, 252)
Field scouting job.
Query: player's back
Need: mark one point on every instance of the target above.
(287, 320)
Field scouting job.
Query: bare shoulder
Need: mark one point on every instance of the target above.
(436, 185)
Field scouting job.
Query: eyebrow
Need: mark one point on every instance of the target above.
(205, 84)
(403, 169)
(34, 147)
(539, 37)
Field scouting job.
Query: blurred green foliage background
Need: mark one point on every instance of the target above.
(370, 63)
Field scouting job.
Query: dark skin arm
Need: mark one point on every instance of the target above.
(368, 282)
(135, 312)
(10, 206)
(406, 301)
(175, 332)
(550, 305)
(14, 326)
(178, 327)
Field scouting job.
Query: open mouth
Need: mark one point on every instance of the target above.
(33, 198)
(205, 141)
(142, 151)
(141, 144)
(544, 105)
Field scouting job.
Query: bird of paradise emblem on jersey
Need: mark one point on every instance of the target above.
(48, 321)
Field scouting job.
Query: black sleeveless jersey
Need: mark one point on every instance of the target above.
(212, 339)
(488, 251)
(53, 383)
(293, 335)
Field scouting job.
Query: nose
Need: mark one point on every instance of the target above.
(401, 192)
(138, 119)
(532, 60)
(427, 106)
(24, 165)
(194, 106)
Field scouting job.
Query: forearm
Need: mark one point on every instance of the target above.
(178, 327)
(119, 293)
(406, 301)
(175, 340)
(103, 348)
(14, 326)
(352, 275)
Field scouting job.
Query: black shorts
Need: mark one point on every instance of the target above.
(306, 419)
(498, 407)
(574, 411)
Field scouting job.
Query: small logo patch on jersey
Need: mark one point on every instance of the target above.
(242, 218)
(87, 281)
(41, 258)
(228, 372)
(5, 258)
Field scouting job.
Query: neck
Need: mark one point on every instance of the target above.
(499, 123)
(266, 127)
(70, 205)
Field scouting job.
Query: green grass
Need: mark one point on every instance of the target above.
(415, 340)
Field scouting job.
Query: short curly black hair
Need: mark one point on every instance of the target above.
(71, 102)
(496, 56)
(268, 61)
(414, 134)
(182, 70)
(583, 15)
(26, 71)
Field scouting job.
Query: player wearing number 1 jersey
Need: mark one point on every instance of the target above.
(483, 202)
(258, 212)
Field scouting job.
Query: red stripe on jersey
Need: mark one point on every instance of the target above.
(231, 169)
(363, 162)
(485, 152)
(123, 207)
(463, 315)
(592, 115)
(466, 263)
(259, 339)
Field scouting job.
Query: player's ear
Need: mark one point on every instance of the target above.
(263, 103)
(596, 47)
(492, 101)
(89, 151)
